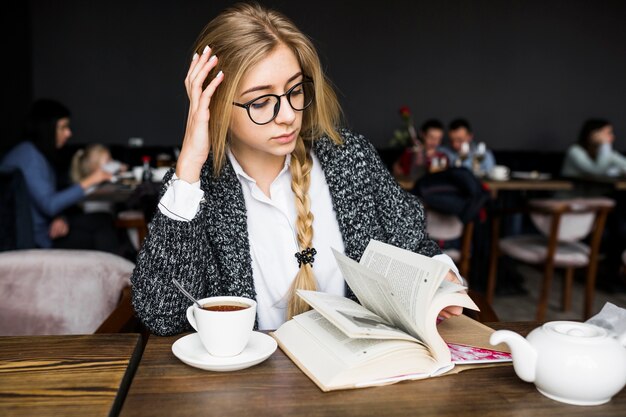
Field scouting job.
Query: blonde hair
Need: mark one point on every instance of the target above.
(241, 36)
(84, 160)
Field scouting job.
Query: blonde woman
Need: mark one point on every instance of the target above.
(89, 160)
(266, 182)
(92, 158)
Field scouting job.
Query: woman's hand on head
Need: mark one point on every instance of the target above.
(58, 228)
(196, 143)
(451, 311)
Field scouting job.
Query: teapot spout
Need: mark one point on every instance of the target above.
(524, 355)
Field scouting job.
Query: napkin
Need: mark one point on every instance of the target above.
(613, 319)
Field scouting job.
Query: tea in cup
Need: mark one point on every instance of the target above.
(224, 324)
(499, 172)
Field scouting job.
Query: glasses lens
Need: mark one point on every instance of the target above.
(301, 96)
(263, 109)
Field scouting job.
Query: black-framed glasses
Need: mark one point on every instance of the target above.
(265, 108)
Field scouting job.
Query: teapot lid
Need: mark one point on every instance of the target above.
(575, 331)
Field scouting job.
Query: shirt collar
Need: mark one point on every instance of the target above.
(242, 174)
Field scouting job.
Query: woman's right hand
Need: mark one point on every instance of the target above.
(197, 143)
(97, 177)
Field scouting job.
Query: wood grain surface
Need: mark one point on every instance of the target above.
(66, 375)
(164, 386)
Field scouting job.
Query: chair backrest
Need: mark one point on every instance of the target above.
(16, 227)
(54, 291)
(577, 216)
(442, 226)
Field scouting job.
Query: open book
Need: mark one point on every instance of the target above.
(392, 335)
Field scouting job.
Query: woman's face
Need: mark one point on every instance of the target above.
(63, 132)
(604, 135)
(101, 159)
(275, 74)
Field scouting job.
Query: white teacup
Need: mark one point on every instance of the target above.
(499, 172)
(223, 333)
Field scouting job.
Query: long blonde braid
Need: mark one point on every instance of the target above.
(300, 167)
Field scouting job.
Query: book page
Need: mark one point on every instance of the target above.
(352, 318)
(334, 361)
(375, 294)
(350, 351)
(430, 331)
(413, 277)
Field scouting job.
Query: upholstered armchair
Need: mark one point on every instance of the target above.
(53, 291)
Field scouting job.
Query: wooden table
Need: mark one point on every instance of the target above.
(66, 375)
(112, 192)
(164, 386)
(528, 185)
(512, 184)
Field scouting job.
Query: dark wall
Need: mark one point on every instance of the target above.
(17, 69)
(525, 73)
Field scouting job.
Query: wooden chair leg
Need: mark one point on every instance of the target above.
(590, 281)
(466, 249)
(590, 287)
(568, 280)
(493, 260)
(542, 306)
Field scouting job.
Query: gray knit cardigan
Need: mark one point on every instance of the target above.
(210, 255)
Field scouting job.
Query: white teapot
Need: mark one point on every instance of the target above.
(570, 362)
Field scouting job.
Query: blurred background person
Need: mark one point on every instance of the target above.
(593, 155)
(431, 133)
(87, 161)
(463, 152)
(47, 129)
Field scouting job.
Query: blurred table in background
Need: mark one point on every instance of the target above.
(113, 192)
(512, 184)
(527, 185)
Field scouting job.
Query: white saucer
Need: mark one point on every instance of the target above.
(189, 349)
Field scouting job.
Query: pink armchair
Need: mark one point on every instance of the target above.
(52, 291)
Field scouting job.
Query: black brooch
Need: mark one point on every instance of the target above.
(306, 257)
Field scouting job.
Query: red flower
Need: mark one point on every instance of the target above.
(405, 111)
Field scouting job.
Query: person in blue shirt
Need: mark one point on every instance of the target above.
(463, 151)
(47, 130)
(593, 155)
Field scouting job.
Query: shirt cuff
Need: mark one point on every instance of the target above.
(447, 260)
(181, 200)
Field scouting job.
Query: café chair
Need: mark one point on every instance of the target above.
(446, 227)
(55, 291)
(135, 222)
(16, 227)
(563, 225)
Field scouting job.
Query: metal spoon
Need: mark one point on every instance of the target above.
(184, 291)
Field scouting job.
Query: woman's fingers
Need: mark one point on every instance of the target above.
(195, 80)
(208, 92)
(194, 62)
